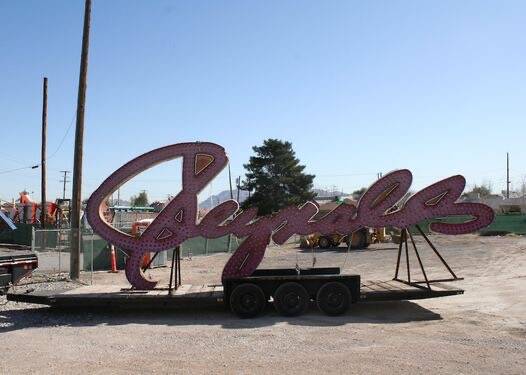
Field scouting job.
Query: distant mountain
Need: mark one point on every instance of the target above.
(322, 193)
(122, 202)
(214, 200)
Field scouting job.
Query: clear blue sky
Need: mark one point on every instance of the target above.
(359, 87)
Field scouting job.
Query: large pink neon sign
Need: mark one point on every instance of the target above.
(203, 161)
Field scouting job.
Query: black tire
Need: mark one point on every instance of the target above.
(334, 298)
(324, 242)
(291, 299)
(335, 243)
(247, 300)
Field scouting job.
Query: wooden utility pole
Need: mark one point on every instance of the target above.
(508, 175)
(230, 182)
(76, 196)
(43, 156)
(238, 184)
(231, 197)
(64, 181)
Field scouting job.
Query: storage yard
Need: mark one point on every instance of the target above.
(263, 188)
(482, 331)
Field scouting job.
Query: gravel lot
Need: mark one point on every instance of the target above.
(482, 331)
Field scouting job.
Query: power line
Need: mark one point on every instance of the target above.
(9, 156)
(63, 138)
(19, 169)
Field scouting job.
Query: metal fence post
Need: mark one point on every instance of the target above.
(59, 234)
(33, 234)
(91, 277)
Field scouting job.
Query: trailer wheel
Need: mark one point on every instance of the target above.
(247, 300)
(291, 299)
(324, 243)
(334, 298)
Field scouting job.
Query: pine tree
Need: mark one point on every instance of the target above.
(140, 200)
(276, 178)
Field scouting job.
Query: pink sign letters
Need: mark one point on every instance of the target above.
(177, 222)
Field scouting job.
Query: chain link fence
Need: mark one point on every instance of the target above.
(53, 247)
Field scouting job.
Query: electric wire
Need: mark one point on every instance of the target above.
(34, 166)
(19, 169)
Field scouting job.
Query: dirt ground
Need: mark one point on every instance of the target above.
(482, 331)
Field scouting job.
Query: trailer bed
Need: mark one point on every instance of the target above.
(12, 253)
(394, 290)
(197, 296)
(119, 297)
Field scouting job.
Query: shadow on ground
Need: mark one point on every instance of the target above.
(344, 250)
(372, 312)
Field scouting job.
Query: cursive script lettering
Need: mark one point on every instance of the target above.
(177, 222)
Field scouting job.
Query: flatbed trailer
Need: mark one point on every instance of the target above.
(313, 281)
(291, 290)
(16, 262)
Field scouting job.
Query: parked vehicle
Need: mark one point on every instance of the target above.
(360, 239)
(16, 262)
